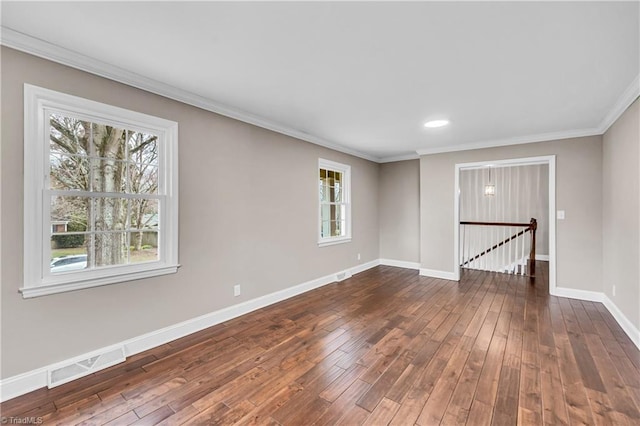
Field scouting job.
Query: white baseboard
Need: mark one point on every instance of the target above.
(543, 257)
(363, 267)
(23, 383)
(445, 275)
(572, 293)
(400, 264)
(595, 296)
(622, 320)
(26, 382)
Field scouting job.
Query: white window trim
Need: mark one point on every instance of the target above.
(346, 171)
(35, 281)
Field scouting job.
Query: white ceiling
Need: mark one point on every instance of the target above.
(366, 76)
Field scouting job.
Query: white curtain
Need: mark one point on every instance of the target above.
(521, 193)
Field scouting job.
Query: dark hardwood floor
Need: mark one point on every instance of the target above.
(384, 347)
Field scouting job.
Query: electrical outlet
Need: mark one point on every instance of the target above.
(613, 290)
(560, 214)
(236, 290)
(358, 256)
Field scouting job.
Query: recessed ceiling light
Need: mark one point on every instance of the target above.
(436, 123)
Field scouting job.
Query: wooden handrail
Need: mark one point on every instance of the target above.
(497, 223)
(532, 226)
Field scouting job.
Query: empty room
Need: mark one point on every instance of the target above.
(320, 213)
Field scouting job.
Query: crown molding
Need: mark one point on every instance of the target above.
(404, 157)
(43, 49)
(542, 137)
(624, 101)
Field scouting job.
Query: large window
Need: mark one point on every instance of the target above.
(335, 202)
(101, 202)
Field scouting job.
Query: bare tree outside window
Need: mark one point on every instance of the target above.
(114, 172)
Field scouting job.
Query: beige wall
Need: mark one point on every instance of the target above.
(248, 216)
(621, 213)
(578, 192)
(399, 211)
(248, 213)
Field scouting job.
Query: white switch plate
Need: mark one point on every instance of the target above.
(560, 214)
(236, 290)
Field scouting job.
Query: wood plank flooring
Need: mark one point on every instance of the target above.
(384, 347)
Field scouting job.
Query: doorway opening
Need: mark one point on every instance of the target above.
(489, 181)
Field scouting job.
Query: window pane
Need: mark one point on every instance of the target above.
(67, 259)
(108, 142)
(69, 214)
(336, 228)
(338, 177)
(323, 174)
(337, 193)
(68, 135)
(110, 214)
(325, 212)
(325, 229)
(110, 248)
(143, 148)
(144, 214)
(94, 164)
(333, 212)
(143, 247)
(109, 170)
(325, 193)
(68, 172)
(143, 178)
(108, 175)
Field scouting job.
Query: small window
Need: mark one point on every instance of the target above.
(335, 203)
(100, 194)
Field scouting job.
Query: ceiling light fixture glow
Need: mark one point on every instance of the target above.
(436, 123)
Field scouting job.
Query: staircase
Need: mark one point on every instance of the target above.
(499, 246)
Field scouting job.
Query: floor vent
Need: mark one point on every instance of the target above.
(341, 276)
(84, 367)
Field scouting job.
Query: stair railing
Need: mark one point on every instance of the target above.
(499, 246)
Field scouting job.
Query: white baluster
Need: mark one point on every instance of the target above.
(515, 255)
(491, 244)
(485, 238)
(472, 233)
(483, 260)
(464, 232)
(495, 242)
(498, 240)
(479, 250)
(504, 232)
(522, 260)
(512, 253)
(474, 236)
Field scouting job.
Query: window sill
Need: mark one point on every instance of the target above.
(334, 241)
(44, 290)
